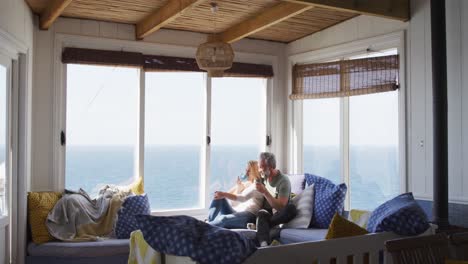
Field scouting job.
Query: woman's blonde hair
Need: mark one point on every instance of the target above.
(254, 174)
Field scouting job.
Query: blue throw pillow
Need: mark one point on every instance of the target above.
(401, 215)
(329, 199)
(186, 236)
(126, 221)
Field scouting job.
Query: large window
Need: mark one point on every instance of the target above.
(102, 114)
(173, 135)
(105, 121)
(355, 140)
(237, 127)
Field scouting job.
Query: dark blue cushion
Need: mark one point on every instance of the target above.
(329, 199)
(202, 242)
(126, 221)
(401, 215)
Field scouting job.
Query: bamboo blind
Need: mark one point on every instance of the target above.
(102, 57)
(345, 78)
(157, 62)
(238, 69)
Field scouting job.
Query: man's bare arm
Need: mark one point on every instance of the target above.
(277, 203)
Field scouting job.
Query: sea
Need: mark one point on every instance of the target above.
(172, 173)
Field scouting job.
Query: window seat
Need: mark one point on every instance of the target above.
(298, 235)
(105, 251)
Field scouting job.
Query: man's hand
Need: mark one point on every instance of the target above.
(260, 188)
(219, 195)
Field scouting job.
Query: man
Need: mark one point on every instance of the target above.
(277, 191)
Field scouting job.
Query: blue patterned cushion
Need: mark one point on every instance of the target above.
(126, 221)
(202, 242)
(329, 199)
(401, 215)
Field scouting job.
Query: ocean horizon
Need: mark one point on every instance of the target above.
(172, 173)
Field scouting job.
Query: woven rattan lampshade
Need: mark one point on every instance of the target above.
(215, 57)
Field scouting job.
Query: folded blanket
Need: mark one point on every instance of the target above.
(202, 242)
(75, 217)
(140, 251)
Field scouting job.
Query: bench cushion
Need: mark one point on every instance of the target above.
(108, 247)
(296, 235)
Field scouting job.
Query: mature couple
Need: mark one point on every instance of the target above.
(261, 200)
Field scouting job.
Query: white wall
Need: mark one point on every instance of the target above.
(44, 82)
(419, 87)
(457, 69)
(17, 20)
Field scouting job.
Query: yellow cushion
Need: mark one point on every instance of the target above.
(341, 227)
(359, 217)
(137, 186)
(39, 206)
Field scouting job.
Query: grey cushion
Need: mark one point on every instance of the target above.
(304, 203)
(297, 182)
(296, 235)
(108, 247)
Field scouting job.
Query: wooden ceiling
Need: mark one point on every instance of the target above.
(274, 20)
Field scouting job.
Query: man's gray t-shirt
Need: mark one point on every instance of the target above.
(278, 187)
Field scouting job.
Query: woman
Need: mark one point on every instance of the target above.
(246, 201)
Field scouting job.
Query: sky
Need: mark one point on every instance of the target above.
(3, 73)
(102, 104)
(373, 120)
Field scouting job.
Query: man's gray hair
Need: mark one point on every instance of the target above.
(269, 159)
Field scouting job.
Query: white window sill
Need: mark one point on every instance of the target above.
(199, 213)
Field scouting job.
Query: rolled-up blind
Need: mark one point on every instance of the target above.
(345, 78)
(157, 62)
(238, 69)
(102, 57)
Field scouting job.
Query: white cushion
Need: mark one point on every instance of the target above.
(304, 203)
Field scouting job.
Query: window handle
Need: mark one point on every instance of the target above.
(268, 140)
(62, 138)
(208, 140)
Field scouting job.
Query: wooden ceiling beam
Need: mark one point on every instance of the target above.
(394, 9)
(163, 16)
(52, 12)
(263, 20)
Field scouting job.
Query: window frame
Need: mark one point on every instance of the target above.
(17, 57)
(295, 108)
(9, 140)
(59, 106)
(20, 56)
